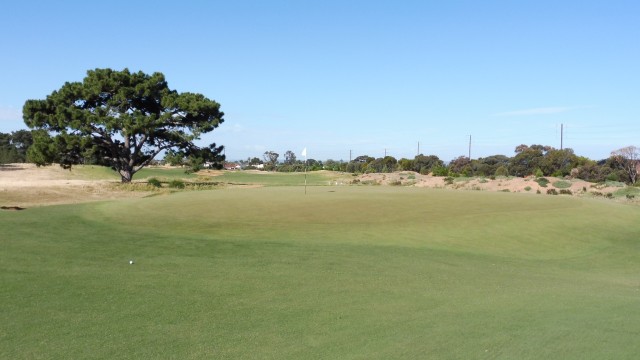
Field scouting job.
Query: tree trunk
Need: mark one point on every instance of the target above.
(125, 176)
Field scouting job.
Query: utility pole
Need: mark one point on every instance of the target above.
(385, 152)
(561, 135)
(349, 155)
(469, 147)
(418, 149)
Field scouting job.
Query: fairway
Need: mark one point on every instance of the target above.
(343, 272)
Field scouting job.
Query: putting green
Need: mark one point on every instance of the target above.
(341, 272)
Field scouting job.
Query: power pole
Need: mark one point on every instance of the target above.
(385, 152)
(418, 149)
(561, 135)
(469, 147)
(349, 155)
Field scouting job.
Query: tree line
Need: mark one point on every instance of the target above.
(536, 160)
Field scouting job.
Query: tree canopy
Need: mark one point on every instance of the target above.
(121, 119)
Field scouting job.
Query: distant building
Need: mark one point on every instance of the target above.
(232, 166)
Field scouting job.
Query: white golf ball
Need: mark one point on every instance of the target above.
(130, 262)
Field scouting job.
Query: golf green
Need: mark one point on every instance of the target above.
(366, 272)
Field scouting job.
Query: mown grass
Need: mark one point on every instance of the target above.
(265, 178)
(339, 273)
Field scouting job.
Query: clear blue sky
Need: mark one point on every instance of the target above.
(366, 76)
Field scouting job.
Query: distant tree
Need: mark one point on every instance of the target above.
(364, 159)
(461, 165)
(425, 164)
(254, 161)
(271, 157)
(7, 151)
(527, 160)
(487, 166)
(14, 146)
(405, 164)
(592, 171)
(123, 118)
(359, 164)
(558, 162)
(334, 165)
(501, 171)
(21, 140)
(628, 160)
(289, 157)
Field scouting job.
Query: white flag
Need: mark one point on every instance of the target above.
(304, 152)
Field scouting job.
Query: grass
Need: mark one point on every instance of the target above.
(562, 184)
(348, 272)
(279, 179)
(627, 191)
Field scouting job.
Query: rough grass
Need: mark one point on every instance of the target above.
(339, 273)
(562, 184)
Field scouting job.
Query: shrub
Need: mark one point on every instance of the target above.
(154, 182)
(609, 196)
(411, 177)
(538, 191)
(565, 192)
(440, 171)
(395, 183)
(176, 184)
(501, 171)
(630, 197)
(528, 188)
(448, 180)
(552, 192)
(542, 181)
(539, 173)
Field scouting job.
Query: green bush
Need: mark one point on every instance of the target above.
(528, 188)
(552, 192)
(539, 173)
(565, 192)
(542, 181)
(502, 171)
(440, 171)
(448, 180)
(176, 184)
(154, 182)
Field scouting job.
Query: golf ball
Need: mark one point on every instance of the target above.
(130, 262)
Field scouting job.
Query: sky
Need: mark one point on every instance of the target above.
(351, 78)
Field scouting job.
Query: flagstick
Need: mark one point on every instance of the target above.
(304, 153)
